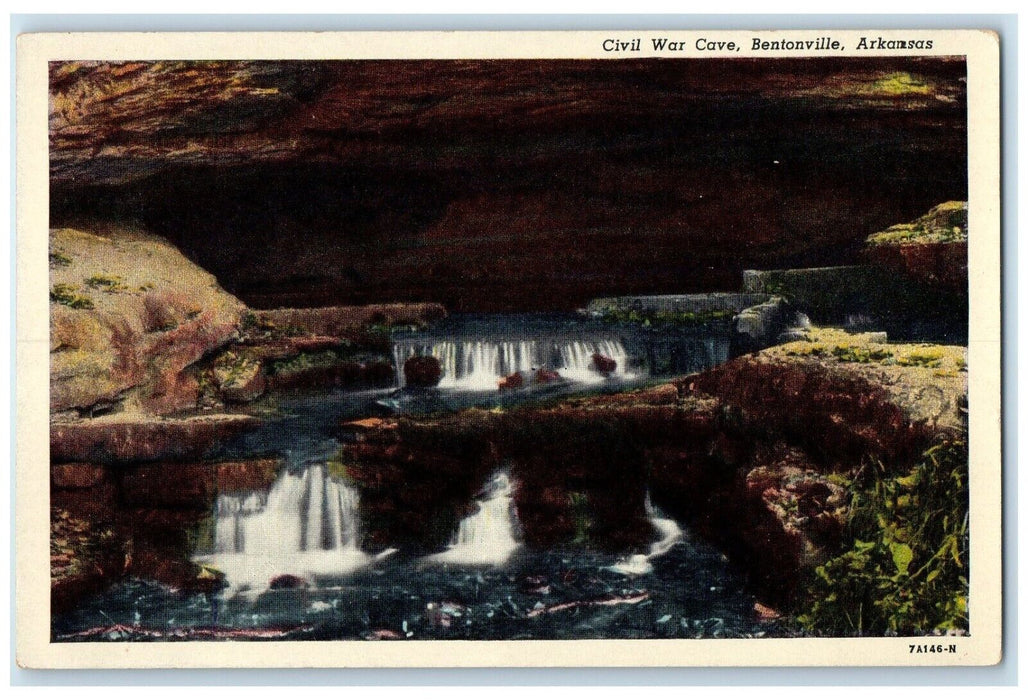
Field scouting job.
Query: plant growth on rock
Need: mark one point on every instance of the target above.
(68, 295)
(905, 570)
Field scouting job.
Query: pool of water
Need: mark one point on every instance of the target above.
(561, 594)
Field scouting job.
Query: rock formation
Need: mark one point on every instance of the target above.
(505, 185)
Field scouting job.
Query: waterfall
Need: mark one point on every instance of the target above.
(669, 535)
(305, 526)
(479, 365)
(487, 536)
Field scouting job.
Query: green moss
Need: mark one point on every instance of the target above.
(665, 319)
(901, 83)
(110, 284)
(922, 358)
(856, 353)
(310, 360)
(945, 223)
(813, 350)
(582, 516)
(200, 537)
(232, 369)
(68, 295)
(339, 471)
(59, 259)
(904, 568)
(840, 479)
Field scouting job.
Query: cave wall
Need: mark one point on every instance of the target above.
(505, 185)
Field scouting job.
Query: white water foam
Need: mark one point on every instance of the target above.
(670, 535)
(486, 537)
(479, 365)
(305, 526)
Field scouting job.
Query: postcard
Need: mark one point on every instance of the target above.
(450, 349)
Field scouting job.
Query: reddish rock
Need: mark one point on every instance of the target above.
(297, 138)
(170, 485)
(940, 265)
(170, 568)
(369, 425)
(99, 503)
(379, 373)
(76, 475)
(282, 348)
(604, 364)
(514, 381)
(248, 475)
(287, 581)
(345, 321)
(246, 387)
(422, 371)
(546, 376)
(125, 438)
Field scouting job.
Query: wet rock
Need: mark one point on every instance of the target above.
(139, 438)
(170, 485)
(514, 381)
(603, 364)
(758, 327)
(765, 613)
(344, 321)
(76, 475)
(422, 371)
(287, 581)
(546, 376)
(283, 348)
(247, 475)
(170, 568)
(242, 383)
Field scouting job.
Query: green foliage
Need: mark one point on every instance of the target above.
(200, 537)
(110, 284)
(59, 259)
(808, 351)
(339, 471)
(945, 223)
(580, 512)
(255, 324)
(233, 369)
(665, 319)
(855, 353)
(68, 295)
(906, 566)
(307, 360)
(921, 358)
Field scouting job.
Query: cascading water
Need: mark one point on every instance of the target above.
(305, 526)
(670, 534)
(479, 365)
(486, 537)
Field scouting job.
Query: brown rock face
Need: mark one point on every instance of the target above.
(422, 371)
(128, 315)
(76, 475)
(505, 185)
(931, 250)
(939, 265)
(122, 438)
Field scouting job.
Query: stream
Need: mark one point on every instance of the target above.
(291, 558)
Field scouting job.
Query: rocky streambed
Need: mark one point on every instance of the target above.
(622, 494)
